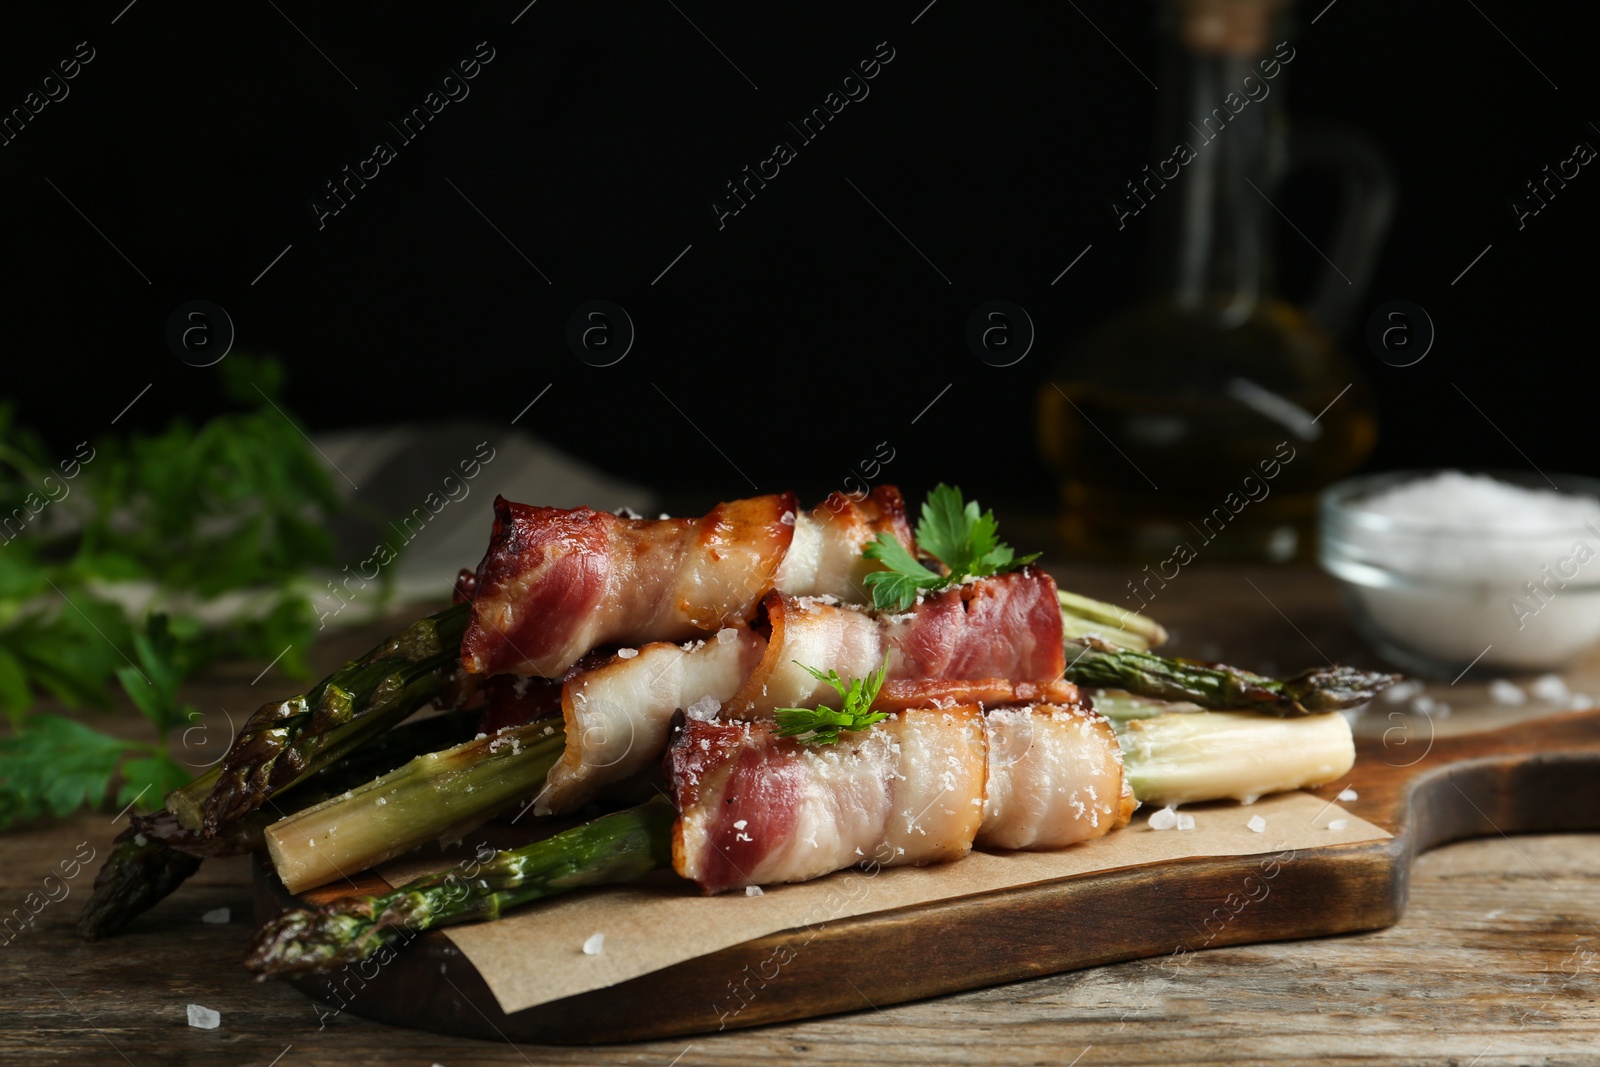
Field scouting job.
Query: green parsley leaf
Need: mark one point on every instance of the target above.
(54, 766)
(951, 530)
(821, 725)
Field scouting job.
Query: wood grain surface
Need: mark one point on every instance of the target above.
(1496, 961)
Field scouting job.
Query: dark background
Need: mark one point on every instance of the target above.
(807, 330)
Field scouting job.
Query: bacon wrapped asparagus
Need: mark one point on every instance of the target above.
(988, 635)
(756, 808)
(556, 583)
(923, 786)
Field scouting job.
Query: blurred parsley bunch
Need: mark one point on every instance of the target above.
(144, 560)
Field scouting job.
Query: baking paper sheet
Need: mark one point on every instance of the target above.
(536, 955)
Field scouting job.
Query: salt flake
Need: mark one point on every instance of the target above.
(1550, 688)
(753, 891)
(203, 1018)
(705, 709)
(1258, 824)
(1347, 795)
(1165, 819)
(595, 945)
(1339, 824)
(1504, 692)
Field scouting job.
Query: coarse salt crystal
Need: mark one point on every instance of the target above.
(595, 945)
(1402, 692)
(1186, 821)
(1165, 819)
(1347, 795)
(1550, 688)
(741, 824)
(627, 653)
(215, 915)
(203, 1018)
(705, 709)
(383, 800)
(1258, 824)
(1504, 692)
(726, 634)
(1338, 824)
(753, 891)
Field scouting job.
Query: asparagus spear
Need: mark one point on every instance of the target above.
(1081, 617)
(1184, 757)
(156, 853)
(436, 796)
(139, 872)
(1216, 685)
(284, 742)
(614, 848)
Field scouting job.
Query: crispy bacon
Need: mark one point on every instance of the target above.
(921, 787)
(556, 583)
(617, 716)
(758, 809)
(1007, 627)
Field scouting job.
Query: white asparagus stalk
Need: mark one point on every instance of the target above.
(1183, 758)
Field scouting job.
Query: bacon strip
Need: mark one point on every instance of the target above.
(556, 583)
(617, 716)
(760, 809)
(900, 695)
(1007, 627)
(921, 787)
(1055, 778)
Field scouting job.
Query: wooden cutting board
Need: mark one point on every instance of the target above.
(1541, 775)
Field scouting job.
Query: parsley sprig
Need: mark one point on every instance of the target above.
(238, 503)
(952, 531)
(821, 725)
(55, 765)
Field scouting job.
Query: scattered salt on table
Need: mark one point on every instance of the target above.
(203, 1018)
(595, 945)
(1550, 688)
(1400, 692)
(1339, 824)
(1165, 819)
(1346, 795)
(1258, 824)
(753, 891)
(215, 915)
(1504, 692)
(1186, 821)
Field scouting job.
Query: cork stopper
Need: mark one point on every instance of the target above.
(1228, 27)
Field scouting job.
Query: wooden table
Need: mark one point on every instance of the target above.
(1497, 960)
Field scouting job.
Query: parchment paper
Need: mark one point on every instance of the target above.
(536, 956)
